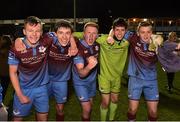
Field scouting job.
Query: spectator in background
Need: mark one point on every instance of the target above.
(169, 51)
(5, 43)
(172, 37)
(3, 111)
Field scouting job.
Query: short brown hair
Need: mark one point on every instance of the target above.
(32, 20)
(120, 22)
(63, 23)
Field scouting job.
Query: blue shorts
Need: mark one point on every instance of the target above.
(58, 90)
(85, 92)
(38, 97)
(136, 86)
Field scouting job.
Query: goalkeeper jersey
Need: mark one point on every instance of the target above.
(112, 58)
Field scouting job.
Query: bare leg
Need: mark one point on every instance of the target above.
(132, 110)
(17, 119)
(86, 110)
(42, 116)
(59, 112)
(152, 110)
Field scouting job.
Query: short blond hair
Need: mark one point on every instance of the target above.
(172, 36)
(144, 24)
(91, 24)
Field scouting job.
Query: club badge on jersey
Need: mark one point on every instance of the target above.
(42, 49)
(96, 48)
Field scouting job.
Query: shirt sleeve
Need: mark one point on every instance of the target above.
(12, 59)
(102, 39)
(78, 35)
(78, 60)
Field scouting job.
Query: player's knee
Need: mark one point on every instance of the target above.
(104, 104)
(152, 113)
(114, 100)
(87, 109)
(132, 111)
(59, 110)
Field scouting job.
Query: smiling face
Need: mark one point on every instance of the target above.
(63, 30)
(33, 33)
(63, 34)
(32, 30)
(119, 32)
(144, 31)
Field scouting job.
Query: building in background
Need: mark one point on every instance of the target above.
(161, 25)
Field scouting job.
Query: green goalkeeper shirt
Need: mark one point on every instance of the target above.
(112, 58)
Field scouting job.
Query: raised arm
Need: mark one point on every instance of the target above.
(84, 70)
(73, 50)
(110, 39)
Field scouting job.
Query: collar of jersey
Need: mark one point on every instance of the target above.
(84, 43)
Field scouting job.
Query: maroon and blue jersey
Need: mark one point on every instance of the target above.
(85, 51)
(32, 63)
(142, 62)
(59, 62)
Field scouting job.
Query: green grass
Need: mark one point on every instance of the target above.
(168, 109)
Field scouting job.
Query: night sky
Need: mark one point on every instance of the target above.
(20, 9)
(105, 10)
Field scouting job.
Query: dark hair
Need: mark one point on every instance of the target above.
(32, 20)
(63, 23)
(144, 24)
(5, 41)
(119, 22)
(91, 24)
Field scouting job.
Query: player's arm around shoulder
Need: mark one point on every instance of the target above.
(78, 35)
(19, 45)
(102, 39)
